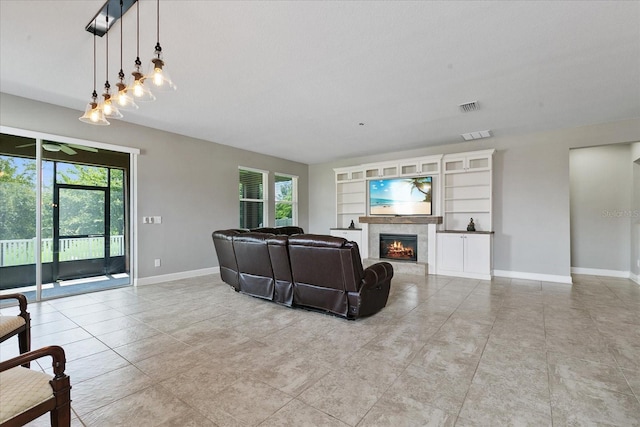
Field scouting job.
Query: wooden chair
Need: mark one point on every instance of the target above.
(17, 325)
(28, 394)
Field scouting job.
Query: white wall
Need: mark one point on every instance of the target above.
(191, 183)
(601, 197)
(531, 193)
(635, 214)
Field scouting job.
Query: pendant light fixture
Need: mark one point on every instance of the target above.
(157, 74)
(122, 98)
(108, 107)
(93, 114)
(137, 88)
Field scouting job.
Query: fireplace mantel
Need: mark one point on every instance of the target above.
(400, 219)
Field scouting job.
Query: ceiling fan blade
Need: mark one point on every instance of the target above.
(82, 147)
(68, 150)
(26, 145)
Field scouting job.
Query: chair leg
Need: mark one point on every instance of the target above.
(61, 417)
(61, 414)
(24, 343)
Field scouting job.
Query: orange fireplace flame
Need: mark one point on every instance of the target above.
(398, 250)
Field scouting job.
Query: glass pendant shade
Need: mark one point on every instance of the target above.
(123, 100)
(138, 88)
(93, 114)
(110, 108)
(158, 76)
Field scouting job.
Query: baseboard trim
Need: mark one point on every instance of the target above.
(464, 275)
(533, 276)
(601, 272)
(152, 280)
(635, 278)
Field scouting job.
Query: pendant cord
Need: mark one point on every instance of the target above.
(158, 23)
(106, 85)
(138, 30)
(121, 25)
(94, 57)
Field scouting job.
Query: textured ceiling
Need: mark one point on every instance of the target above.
(295, 79)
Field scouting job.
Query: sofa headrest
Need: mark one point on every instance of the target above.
(252, 237)
(228, 234)
(288, 230)
(279, 240)
(269, 230)
(317, 240)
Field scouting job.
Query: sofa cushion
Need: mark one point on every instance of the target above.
(255, 274)
(223, 242)
(323, 273)
(279, 253)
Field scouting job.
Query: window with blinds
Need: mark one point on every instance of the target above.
(286, 195)
(253, 197)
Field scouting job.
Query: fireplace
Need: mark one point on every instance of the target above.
(399, 247)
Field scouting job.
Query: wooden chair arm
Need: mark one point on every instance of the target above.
(56, 353)
(22, 301)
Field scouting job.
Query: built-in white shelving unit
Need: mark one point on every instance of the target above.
(463, 189)
(351, 183)
(467, 189)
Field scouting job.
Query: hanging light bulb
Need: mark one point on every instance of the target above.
(93, 114)
(137, 87)
(157, 74)
(109, 109)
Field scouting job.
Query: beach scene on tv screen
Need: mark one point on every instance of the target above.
(401, 196)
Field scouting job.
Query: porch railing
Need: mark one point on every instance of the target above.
(22, 251)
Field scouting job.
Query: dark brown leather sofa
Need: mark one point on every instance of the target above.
(229, 270)
(314, 271)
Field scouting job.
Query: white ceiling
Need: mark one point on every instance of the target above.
(295, 79)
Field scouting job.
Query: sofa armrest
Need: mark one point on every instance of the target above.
(376, 274)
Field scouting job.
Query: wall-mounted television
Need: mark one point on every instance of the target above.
(400, 196)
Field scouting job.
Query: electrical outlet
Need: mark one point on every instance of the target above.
(156, 262)
(157, 219)
(145, 220)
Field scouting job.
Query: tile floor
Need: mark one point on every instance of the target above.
(444, 351)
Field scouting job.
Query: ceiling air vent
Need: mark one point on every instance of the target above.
(476, 135)
(469, 106)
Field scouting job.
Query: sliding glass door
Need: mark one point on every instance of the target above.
(72, 233)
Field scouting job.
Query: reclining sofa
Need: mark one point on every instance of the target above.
(306, 270)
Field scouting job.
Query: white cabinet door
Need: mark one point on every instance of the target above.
(350, 235)
(450, 252)
(464, 255)
(385, 170)
(463, 162)
(477, 253)
(455, 164)
(478, 163)
(420, 166)
(348, 174)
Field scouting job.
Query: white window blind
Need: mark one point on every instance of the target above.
(253, 195)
